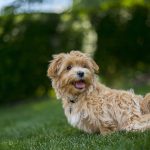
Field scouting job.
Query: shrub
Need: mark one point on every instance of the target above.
(123, 39)
(27, 42)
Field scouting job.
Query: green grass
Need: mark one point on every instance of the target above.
(43, 126)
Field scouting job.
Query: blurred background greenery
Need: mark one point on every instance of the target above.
(115, 32)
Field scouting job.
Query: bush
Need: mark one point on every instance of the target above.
(26, 45)
(123, 39)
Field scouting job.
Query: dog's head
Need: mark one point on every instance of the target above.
(72, 72)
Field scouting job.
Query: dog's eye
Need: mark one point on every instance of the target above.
(85, 66)
(69, 67)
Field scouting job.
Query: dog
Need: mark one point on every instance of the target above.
(91, 106)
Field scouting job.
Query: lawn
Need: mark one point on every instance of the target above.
(42, 125)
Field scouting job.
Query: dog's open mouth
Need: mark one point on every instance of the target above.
(80, 84)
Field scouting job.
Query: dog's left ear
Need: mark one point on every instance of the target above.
(54, 65)
(95, 66)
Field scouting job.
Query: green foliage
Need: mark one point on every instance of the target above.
(123, 39)
(118, 30)
(43, 126)
(26, 45)
(88, 6)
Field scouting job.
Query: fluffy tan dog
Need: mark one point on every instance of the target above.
(90, 105)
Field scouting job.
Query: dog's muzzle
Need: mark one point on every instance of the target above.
(80, 74)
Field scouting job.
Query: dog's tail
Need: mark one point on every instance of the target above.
(145, 104)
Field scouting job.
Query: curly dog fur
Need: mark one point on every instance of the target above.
(90, 105)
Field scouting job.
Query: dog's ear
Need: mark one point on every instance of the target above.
(54, 65)
(95, 66)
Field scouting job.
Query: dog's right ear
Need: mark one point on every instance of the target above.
(95, 66)
(54, 65)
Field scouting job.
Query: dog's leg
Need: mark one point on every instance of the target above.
(107, 129)
(145, 104)
(139, 124)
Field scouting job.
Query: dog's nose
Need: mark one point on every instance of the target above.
(80, 74)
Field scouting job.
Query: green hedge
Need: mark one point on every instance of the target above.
(123, 39)
(26, 44)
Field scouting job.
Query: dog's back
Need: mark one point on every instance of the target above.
(145, 104)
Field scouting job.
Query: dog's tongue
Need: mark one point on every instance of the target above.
(80, 84)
